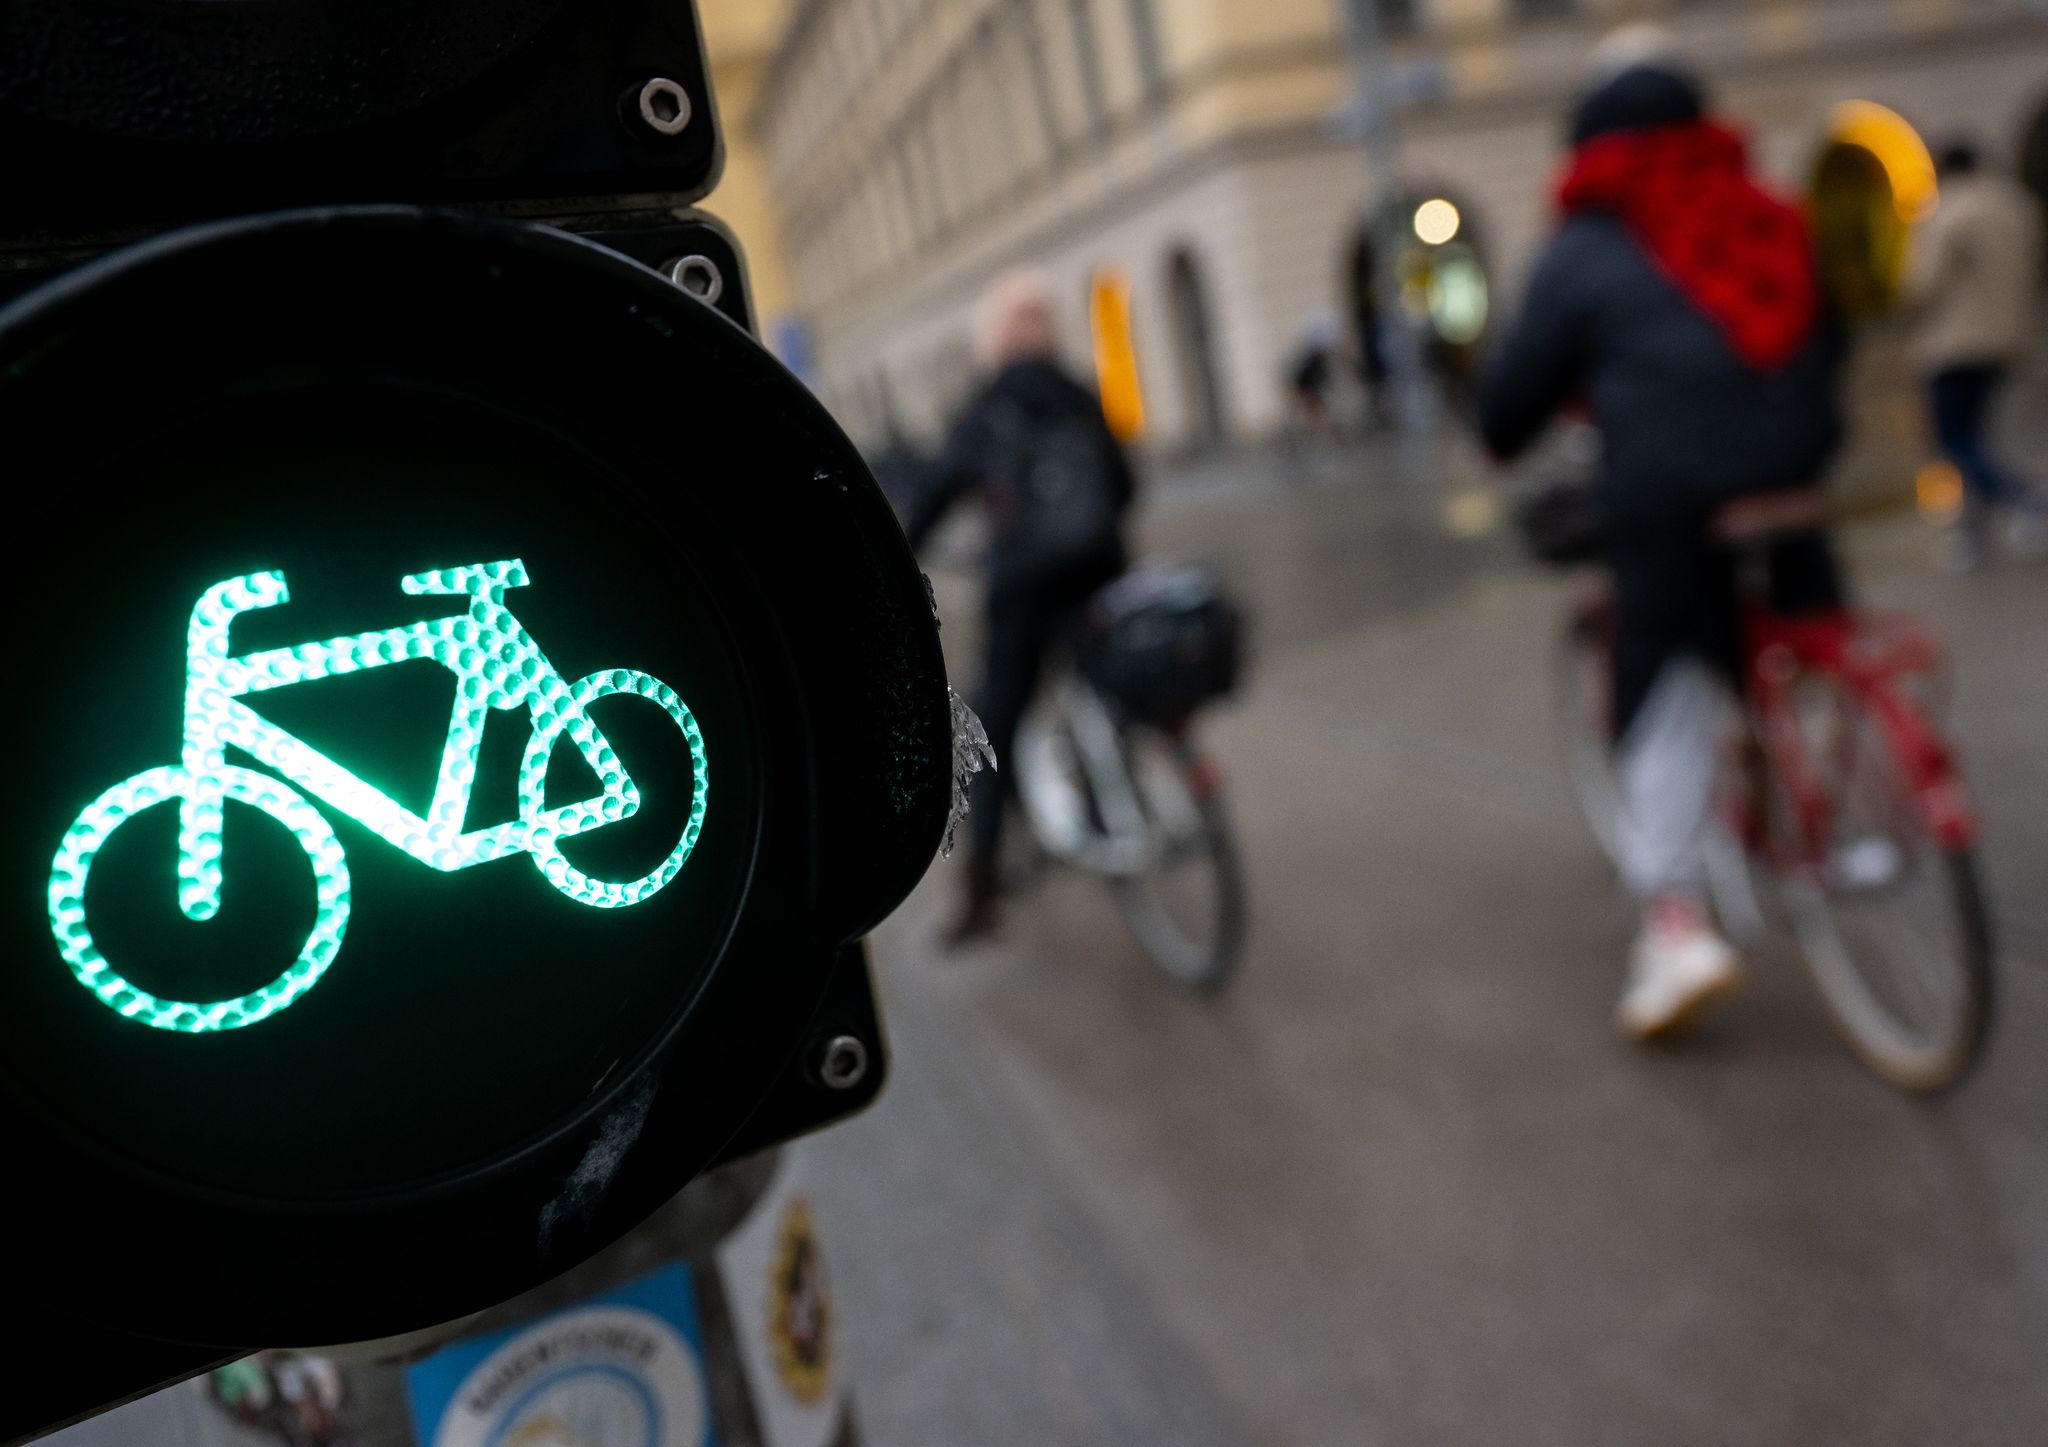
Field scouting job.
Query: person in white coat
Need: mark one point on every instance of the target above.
(1972, 288)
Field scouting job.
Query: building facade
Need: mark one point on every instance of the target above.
(740, 37)
(1198, 152)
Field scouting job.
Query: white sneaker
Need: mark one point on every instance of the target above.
(1674, 973)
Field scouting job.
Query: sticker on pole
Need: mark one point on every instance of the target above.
(621, 1370)
(785, 1317)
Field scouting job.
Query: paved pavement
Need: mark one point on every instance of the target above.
(1402, 1184)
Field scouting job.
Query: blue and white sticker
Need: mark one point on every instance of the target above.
(621, 1370)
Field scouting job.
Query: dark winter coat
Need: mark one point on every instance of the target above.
(1685, 423)
(979, 454)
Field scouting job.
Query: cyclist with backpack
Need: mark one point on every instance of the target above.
(1056, 487)
(1678, 300)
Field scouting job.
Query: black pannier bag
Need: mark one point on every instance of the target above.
(1162, 641)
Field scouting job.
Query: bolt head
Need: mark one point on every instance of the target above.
(843, 1063)
(664, 106)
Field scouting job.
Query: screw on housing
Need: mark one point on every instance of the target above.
(664, 106)
(843, 1063)
(697, 275)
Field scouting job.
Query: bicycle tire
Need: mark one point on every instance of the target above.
(1942, 1064)
(1202, 967)
(1921, 1060)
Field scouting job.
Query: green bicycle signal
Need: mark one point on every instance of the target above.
(496, 664)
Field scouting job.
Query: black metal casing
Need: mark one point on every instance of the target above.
(287, 391)
(138, 113)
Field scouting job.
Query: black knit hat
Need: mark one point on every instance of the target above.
(1642, 95)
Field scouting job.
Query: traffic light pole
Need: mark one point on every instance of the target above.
(1372, 110)
(61, 1371)
(520, 339)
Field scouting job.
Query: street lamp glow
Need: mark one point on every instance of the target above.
(1436, 221)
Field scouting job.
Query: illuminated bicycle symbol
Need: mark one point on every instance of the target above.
(496, 664)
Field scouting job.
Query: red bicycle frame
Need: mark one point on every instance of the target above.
(1868, 655)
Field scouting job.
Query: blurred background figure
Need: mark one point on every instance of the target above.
(1056, 486)
(1680, 299)
(1973, 286)
(1312, 371)
(1453, 362)
(1363, 292)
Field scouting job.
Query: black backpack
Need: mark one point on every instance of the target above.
(1058, 492)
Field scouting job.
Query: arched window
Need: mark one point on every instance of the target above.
(1871, 181)
(1081, 18)
(1397, 17)
(1145, 42)
(1194, 347)
(1029, 39)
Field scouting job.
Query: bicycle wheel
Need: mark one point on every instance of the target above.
(1892, 923)
(1583, 694)
(1052, 790)
(1185, 901)
(571, 715)
(89, 834)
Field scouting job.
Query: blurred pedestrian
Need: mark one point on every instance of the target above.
(1972, 286)
(1056, 487)
(1372, 344)
(1679, 301)
(1312, 371)
(1454, 364)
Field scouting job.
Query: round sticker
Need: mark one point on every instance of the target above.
(604, 1376)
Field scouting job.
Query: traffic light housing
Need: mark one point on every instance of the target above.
(117, 117)
(480, 1042)
(479, 699)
